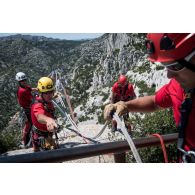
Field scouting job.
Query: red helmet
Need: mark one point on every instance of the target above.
(122, 80)
(165, 47)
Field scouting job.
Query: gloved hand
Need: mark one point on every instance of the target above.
(120, 108)
(51, 124)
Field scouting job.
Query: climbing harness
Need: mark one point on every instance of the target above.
(187, 156)
(128, 137)
(185, 111)
(45, 140)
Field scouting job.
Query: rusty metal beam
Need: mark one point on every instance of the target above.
(65, 154)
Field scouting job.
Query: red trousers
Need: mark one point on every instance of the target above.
(26, 132)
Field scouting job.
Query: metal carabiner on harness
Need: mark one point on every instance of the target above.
(189, 157)
(41, 142)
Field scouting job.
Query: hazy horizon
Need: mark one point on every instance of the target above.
(67, 36)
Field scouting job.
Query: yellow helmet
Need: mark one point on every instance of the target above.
(45, 84)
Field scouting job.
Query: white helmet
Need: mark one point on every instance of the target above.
(20, 76)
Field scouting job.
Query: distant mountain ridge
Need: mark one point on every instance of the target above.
(27, 37)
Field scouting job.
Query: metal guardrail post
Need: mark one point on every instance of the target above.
(120, 157)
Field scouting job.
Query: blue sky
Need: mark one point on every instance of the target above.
(68, 36)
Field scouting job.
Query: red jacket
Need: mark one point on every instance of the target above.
(24, 96)
(123, 93)
(172, 95)
(41, 108)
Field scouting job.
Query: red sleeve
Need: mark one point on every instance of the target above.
(24, 97)
(131, 90)
(38, 108)
(162, 97)
(20, 95)
(28, 87)
(114, 87)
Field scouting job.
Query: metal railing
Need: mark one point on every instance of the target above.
(78, 152)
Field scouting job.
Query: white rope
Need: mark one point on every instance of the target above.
(68, 116)
(128, 137)
(101, 131)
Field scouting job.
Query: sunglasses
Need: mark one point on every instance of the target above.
(180, 64)
(176, 66)
(48, 92)
(23, 80)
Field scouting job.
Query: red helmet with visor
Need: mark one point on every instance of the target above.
(166, 47)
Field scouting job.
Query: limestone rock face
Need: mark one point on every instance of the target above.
(116, 41)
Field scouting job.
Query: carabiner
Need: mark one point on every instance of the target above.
(189, 157)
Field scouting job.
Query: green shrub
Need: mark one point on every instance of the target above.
(10, 138)
(145, 67)
(100, 115)
(116, 52)
(158, 67)
(161, 122)
(143, 88)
